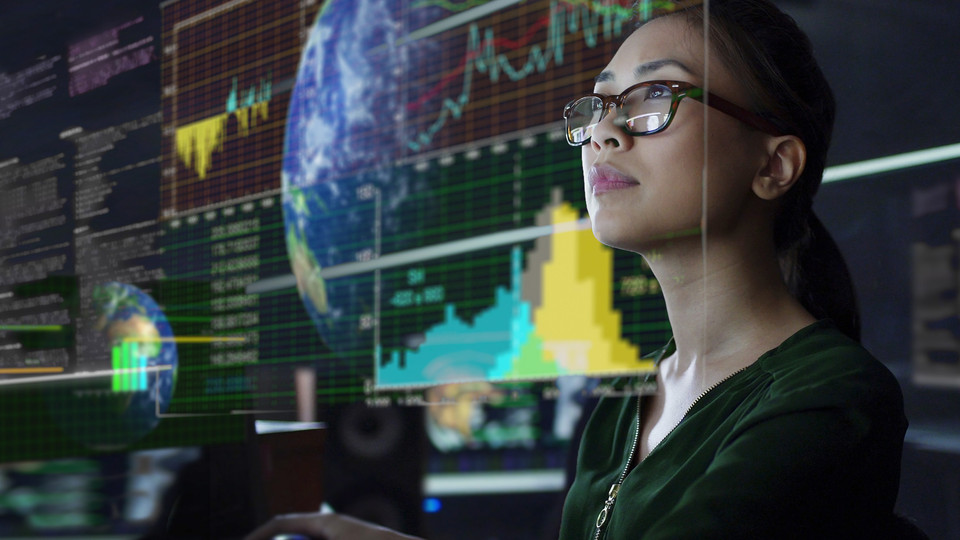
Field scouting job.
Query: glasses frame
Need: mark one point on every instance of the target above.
(680, 90)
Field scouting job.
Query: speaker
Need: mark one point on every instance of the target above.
(374, 464)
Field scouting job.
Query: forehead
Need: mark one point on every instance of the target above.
(665, 48)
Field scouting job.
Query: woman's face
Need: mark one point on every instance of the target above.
(642, 191)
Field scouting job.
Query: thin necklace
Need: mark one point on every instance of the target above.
(604, 515)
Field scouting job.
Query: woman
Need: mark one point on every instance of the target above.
(770, 420)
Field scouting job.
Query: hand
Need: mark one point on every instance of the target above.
(326, 527)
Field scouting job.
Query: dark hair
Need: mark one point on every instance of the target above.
(774, 58)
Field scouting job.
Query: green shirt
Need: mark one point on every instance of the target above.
(803, 443)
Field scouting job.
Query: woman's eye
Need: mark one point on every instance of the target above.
(657, 92)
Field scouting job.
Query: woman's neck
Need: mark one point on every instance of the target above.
(727, 306)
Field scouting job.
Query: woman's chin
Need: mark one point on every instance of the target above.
(641, 240)
(617, 237)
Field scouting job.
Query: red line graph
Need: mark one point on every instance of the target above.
(505, 43)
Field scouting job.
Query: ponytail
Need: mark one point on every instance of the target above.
(817, 275)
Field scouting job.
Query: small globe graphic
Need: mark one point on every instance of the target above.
(129, 335)
(346, 127)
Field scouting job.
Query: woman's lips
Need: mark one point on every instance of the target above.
(604, 178)
(603, 186)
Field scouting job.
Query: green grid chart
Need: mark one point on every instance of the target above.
(243, 347)
(494, 186)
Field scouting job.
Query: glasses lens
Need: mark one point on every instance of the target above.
(647, 108)
(582, 115)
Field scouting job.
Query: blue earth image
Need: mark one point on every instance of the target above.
(347, 126)
(129, 331)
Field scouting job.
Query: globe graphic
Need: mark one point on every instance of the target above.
(129, 332)
(346, 128)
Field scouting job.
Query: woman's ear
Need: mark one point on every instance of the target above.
(786, 158)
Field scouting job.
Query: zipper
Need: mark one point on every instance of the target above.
(607, 509)
(615, 487)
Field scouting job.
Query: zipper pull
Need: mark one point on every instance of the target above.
(607, 505)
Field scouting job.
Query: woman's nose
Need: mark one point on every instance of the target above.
(608, 133)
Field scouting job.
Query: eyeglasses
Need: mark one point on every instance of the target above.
(647, 108)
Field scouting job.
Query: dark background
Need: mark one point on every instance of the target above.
(893, 67)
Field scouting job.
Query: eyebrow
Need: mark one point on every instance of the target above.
(644, 69)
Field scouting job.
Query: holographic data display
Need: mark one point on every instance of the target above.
(484, 175)
(159, 175)
(434, 214)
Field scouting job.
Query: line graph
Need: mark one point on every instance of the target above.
(487, 54)
(494, 73)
